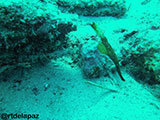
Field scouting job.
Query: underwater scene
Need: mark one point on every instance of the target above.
(79, 59)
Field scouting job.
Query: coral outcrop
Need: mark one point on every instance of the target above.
(93, 64)
(142, 58)
(114, 8)
(29, 30)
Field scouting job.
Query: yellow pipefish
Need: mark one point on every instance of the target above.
(105, 48)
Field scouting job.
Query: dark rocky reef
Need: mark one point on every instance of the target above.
(142, 58)
(29, 31)
(114, 8)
